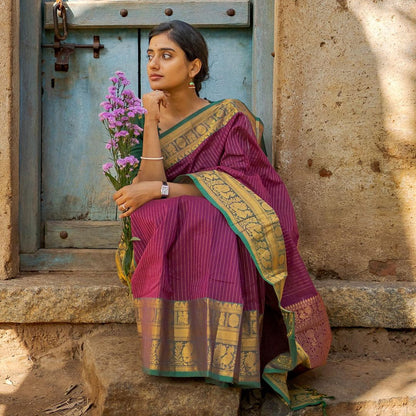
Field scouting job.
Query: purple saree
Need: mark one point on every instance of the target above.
(220, 289)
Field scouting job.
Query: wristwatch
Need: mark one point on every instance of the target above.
(164, 190)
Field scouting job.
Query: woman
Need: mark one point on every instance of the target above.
(219, 285)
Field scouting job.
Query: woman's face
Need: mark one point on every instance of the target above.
(168, 68)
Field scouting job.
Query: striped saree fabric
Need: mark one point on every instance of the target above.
(220, 289)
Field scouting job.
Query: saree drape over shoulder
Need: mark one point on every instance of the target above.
(220, 289)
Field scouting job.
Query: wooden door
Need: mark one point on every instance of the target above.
(68, 218)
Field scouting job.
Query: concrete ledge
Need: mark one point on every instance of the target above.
(101, 298)
(362, 386)
(65, 297)
(369, 304)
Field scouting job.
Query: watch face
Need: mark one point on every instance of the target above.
(164, 190)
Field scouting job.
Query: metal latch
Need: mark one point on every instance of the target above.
(64, 50)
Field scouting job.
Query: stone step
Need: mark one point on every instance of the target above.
(100, 298)
(361, 386)
(118, 387)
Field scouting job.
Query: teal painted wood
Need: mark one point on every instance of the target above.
(91, 14)
(230, 64)
(30, 132)
(263, 61)
(73, 138)
(82, 234)
(69, 260)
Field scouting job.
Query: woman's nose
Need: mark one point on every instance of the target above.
(153, 63)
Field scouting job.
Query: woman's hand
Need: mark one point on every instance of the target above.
(152, 102)
(133, 196)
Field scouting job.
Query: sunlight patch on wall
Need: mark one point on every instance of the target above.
(390, 29)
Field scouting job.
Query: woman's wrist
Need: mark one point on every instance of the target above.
(157, 189)
(150, 122)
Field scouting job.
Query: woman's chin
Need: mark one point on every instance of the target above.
(157, 85)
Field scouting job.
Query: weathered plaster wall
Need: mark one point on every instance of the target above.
(9, 137)
(345, 133)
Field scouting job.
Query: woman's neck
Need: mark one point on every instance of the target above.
(183, 103)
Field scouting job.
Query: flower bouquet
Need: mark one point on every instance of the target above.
(122, 111)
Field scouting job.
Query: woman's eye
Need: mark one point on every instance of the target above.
(166, 56)
(149, 57)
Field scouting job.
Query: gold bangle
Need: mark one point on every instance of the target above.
(151, 158)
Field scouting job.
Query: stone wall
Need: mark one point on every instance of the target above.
(345, 133)
(9, 137)
(345, 121)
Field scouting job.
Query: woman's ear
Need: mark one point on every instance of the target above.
(195, 67)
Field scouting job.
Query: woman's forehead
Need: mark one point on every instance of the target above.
(162, 41)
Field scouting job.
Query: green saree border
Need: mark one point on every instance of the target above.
(189, 118)
(206, 374)
(214, 185)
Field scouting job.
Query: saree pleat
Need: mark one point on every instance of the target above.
(210, 269)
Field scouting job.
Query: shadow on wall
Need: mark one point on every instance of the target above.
(346, 135)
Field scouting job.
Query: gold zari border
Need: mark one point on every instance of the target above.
(253, 220)
(186, 138)
(176, 340)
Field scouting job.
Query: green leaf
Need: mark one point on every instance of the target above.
(113, 181)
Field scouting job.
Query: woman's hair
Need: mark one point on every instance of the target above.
(191, 42)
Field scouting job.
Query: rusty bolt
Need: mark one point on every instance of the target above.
(63, 235)
(273, 54)
(124, 12)
(168, 12)
(231, 12)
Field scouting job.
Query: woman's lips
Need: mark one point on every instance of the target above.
(155, 77)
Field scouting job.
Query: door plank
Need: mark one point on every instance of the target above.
(73, 138)
(82, 234)
(263, 61)
(69, 260)
(105, 14)
(30, 126)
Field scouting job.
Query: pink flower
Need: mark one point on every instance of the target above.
(112, 144)
(121, 133)
(128, 160)
(107, 166)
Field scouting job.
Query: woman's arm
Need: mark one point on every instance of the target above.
(133, 196)
(147, 184)
(151, 168)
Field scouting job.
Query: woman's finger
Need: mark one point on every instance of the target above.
(117, 195)
(127, 213)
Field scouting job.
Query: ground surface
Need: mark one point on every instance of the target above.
(39, 372)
